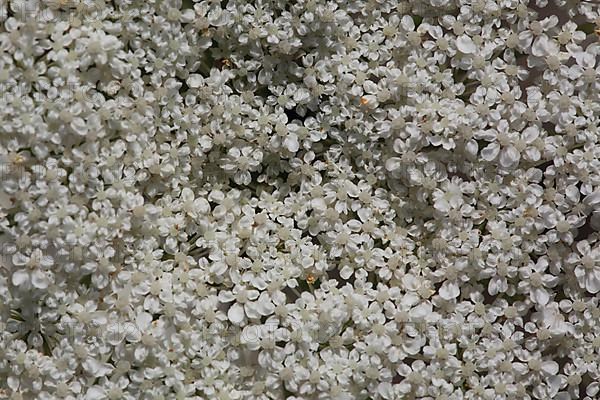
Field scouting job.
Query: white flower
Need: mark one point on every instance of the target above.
(451, 196)
(537, 281)
(34, 273)
(315, 199)
(191, 205)
(248, 303)
(587, 266)
(241, 162)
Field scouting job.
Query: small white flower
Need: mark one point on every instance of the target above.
(587, 266)
(34, 273)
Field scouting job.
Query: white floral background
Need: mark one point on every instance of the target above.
(314, 199)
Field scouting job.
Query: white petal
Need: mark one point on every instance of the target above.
(370, 87)
(236, 314)
(95, 393)
(471, 148)
(465, 44)
(442, 205)
(533, 154)
(301, 95)
(187, 194)
(46, 261)
(413, 345)
(493, 287)
(540, 296)
(202, 205)
(218, 17)
(530, 134)
(509, 157)
(20, 259)
(252, 294)
(550, 367)
(449, 290)
(218, 268)
(318, 204)
(13, 383)
(264, 305)
(96, 368)
(130, 332)
(140, 353)
(593, 389)
(20, 277)
(421, 311)
(385, 390)
(79, 126)
(114, 334)
(250, 335)
(490, 152)
(554, 384)
(226, 297)
(151, 303)
(251, 310)
(586, 59)
(291, 143)
(592, 199)
(393, 163)
(346, 272)
(410, 282)
(143, 320)
(195, 80)
(592, 283)
(39, 279)
(543, 46)
(407, 23)
(572, 193)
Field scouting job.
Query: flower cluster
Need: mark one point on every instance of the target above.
(313, 199)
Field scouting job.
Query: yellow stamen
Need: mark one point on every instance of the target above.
(18, 159)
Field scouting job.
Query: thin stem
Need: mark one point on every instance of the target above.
(296, 292)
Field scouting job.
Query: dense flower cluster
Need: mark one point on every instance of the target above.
(313, 199)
